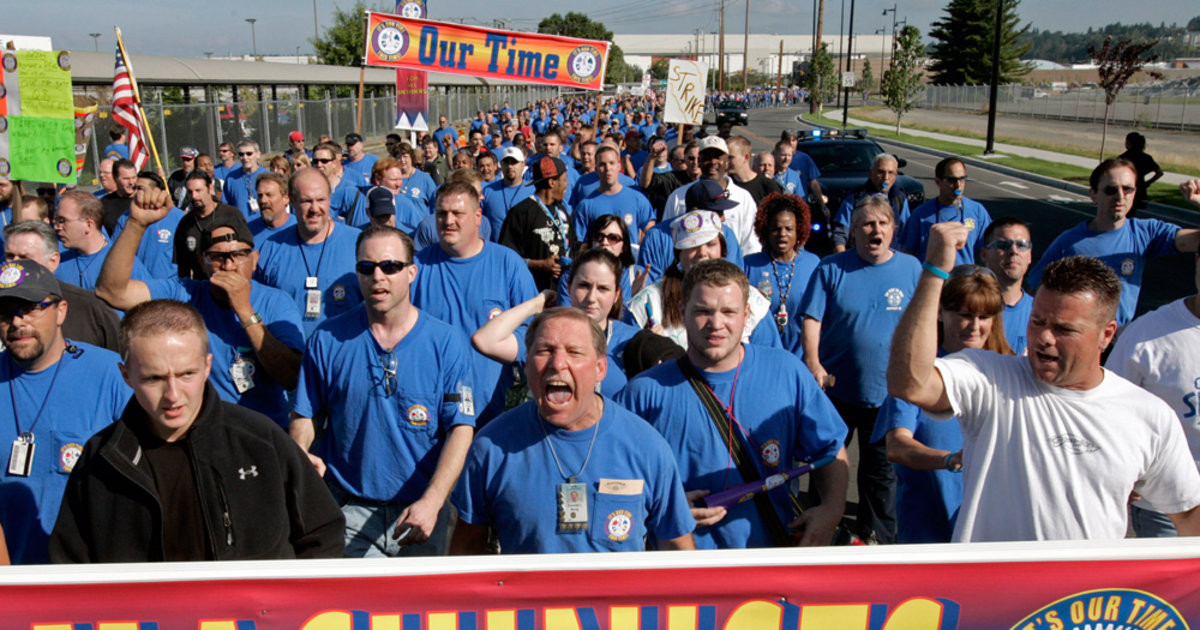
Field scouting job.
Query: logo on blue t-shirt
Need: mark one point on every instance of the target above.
(1127, 267)
(418, 415)
(618, 524)
(770, 453)
(895, 297)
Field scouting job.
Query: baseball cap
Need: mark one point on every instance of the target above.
(633, 133)
(27, 280)
(512, 153)
(714, 142)
(548, 168)
(295, 136)
(190, 152)
(353, 138)
(241, 233)
(695, 229)
(706, 194)
(381, 202)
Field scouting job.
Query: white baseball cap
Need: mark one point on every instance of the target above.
(714, 142)
(695, 228)
(512, 152)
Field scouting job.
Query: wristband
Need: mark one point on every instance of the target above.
(254, 319)
(935, 270)
(948, 466)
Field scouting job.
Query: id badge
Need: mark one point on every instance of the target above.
(253, 204)
(312, 298)
(20, 460)
(572, 508)
(242, 372)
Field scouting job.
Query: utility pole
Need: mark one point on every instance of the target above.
(893, 12)
(849, 67)
(779, 72)
(841, 52)
(882, 50)
(721, 53)
(812, 102)
(746, 51)
(990, 147)
(316, 34)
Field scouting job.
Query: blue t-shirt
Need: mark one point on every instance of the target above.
(638, 158)
(117, 151)
(426, 233)
(378, 446)
(360, 171)
(766, 276)
(285, 263)
(859, 305)
(437, 135)
(498, 199)
(777, 405)
(914, 237)
(1016, 322)
(157, 248)
(230, 346)
(790, 181)
(632, 206)
(240, 188)
(348, 202)
(840, 224)
(589, 183)
(77, 397)
(804, 166)
(466, 293)
(510, 482)
(1125, 249)
(262, 232)
(657, 250)
(927, 501)
(419, 189)
(83, 270)
(221, 172)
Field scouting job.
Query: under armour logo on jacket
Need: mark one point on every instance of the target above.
(247, 472)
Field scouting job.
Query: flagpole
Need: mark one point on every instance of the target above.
(138, 98)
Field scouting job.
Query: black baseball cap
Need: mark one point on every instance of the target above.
(381, 202)
(27, 280)
(353, 138)
(241, 233)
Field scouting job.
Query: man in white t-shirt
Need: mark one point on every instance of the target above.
(1053, 444)
(1160, 352)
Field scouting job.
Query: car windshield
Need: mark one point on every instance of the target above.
(729, 105)
(839, 157)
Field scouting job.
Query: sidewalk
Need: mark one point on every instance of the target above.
(1007, 150)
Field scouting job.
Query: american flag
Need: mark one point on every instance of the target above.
(126, 112)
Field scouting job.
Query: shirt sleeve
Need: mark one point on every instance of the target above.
(458, 394)
(815, 295)
(895, 414)
(964, 379)
(1171, 483)
(821, 430)
(469, 495)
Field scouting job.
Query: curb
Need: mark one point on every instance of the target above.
(1044, 180)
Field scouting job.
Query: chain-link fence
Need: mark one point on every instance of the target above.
(268, 122)
(1175, 105)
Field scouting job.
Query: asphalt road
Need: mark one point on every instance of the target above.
(1049, 211)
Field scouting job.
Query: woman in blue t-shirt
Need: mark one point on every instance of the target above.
(928, 453)
(609, 232)
(592, 288)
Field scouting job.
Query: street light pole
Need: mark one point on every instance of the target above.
(990, 147)
(253, 37)
(882, 50)
(849, 67)
(96, 40)
(893, 12)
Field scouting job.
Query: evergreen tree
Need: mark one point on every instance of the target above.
(867, 84)
(963, 41)
(902, 81)
(821, 80)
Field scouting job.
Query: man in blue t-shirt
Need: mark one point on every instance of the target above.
(500, 196)
(78, 223)
(880, 180)
(358, 163)
(254, 331)
(58, 393)
(569, 471)
(274, 207)
(850, 309)
(396, 387)
(1124, 244)
(772, 406)
(239, 190)
(1008, 250)
(465, 281)
(347, 199)
(951, 204)
(313, 263)
(157, 250)
(613, 198)
(446, 136)
(118, 149)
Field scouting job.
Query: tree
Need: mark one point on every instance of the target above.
(902, 80)
(575, 24)
(963, 41)
(821, 79)
(659, 69)
(1116, 64)
(1194, 24)
(342, 44)
(867, 84)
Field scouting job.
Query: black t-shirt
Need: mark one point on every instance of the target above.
(114, 207)
(187, 238)
(528, 231)
(183, 528)
(1145, 165)
(759, 187)
(88, 319)
(660, 189)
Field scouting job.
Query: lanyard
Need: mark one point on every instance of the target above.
(508, 199)
(319, 258)
(784, 290)
(571, 478)
(249, 183)
(81, 269)
(555, 220)
(12, 394)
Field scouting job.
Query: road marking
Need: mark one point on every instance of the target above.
(1066, 199)
(1014, 185)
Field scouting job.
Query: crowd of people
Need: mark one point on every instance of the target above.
(531, 335)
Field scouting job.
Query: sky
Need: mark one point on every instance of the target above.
(166, 28)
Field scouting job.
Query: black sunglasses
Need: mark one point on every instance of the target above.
(389, 267)
(320, 161)
(1113, 190)
(220, 258)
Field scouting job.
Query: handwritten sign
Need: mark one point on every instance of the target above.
(37, 121)
(42, 149)
(45, 84)
(686, 81)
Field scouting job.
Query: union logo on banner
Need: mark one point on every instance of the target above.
(389, 40)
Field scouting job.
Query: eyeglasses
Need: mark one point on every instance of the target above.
(246, 154)
(389, 363)
(964, 271)
(1113, 190)
(954, 181)
(1003, 244)
(320, 161)
(611, 239)
(220, 258)
(61, 220)
(389, 267)
(224, 151)
(11, 311)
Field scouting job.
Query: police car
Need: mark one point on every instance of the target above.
(845, 157)
(732, 112)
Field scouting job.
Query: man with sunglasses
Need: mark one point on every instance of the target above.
(1008, 252)
(347, 198)
(228, 160)
(1124, 244)
(254, 331)
(951, 204)
(239, 184)
(59, 392)
(395, 384)
(203, 212)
